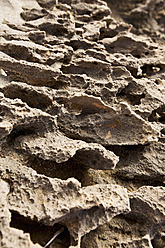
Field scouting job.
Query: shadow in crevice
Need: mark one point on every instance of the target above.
(132, 99)
(68, 169)
(158, 115)
(40, 233)
(137, 167)
(124, 150)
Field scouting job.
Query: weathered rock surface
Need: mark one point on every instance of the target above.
(56, 147)
(17, 116)
(82, 123)
(151, 200)
(142, 162)
(51, 201)
(10, 237)
(142, 227)
(106, 125)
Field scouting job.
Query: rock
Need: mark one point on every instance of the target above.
(33, 73)
(22, 50)
(32, 95)
(151, 202)
(159, 240)
(10, 237)
(82, 122)
(141, 162)
(150, 13)
(127, 43)
(144, 242)
(89, 66)
(79, 208)
(20, 120)
(121, 231)
(134, 229)
(97, 122)
(16, 117)
(54, 146)
(33, 14)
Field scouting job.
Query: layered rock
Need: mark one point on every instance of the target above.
(82, 123)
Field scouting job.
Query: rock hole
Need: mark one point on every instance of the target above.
(123, 151)
(157, 81)
(163, 131)
(16, 132)
(159, 239)
(158, 115)
(134, 72)
(40, 233)
(133, 99)
(162, 118)
(79, 44)
(137, 56)
(26, 130)
(149, 69)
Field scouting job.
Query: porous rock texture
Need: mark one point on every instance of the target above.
(82, 123)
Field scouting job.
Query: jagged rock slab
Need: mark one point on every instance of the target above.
(142, 162)
(25, 50)
(33, 73)
(54, 200)
(10, 237)
(54, 146)
(92, 67)
(150, 202)
(121, 231)
(143, 226)
(144, 95)
(128, 43)
(16, 117)
(98, 122)
(34, 96)
(51, 145)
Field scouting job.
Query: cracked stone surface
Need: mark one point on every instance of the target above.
(82, 123)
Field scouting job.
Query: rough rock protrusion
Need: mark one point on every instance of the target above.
(82, 101)
(52, 201)
(98, 122)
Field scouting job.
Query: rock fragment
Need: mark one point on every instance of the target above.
(17, 117)
(54, 146)
(33, 73)
(142, 162)
(32, 95)
(149, 201)
(103, 124)
(81, 209)
(9, 236)
(25, 50)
